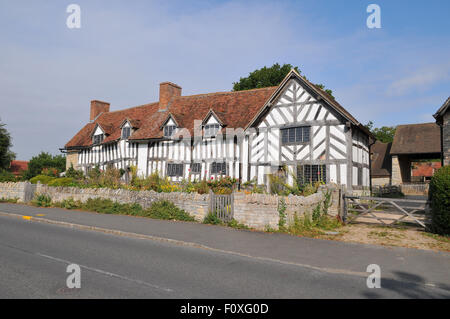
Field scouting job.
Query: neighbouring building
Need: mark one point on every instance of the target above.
(381, 164)
(442, 117)
(246, 135)
(423, 171)
(17, 167)
(412, 143)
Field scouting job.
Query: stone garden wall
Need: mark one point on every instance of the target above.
(254, 210)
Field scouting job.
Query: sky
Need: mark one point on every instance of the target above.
(397, 74)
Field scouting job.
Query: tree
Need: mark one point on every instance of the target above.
(45, 162)
(6, 156)
(383, 134)
(266, 77)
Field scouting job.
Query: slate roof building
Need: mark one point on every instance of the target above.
(246, 135)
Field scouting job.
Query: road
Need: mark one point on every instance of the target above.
(34, 257)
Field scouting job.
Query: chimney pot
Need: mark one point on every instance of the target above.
(167, 91)
(98, 107)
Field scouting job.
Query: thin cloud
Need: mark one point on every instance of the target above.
(420, 80)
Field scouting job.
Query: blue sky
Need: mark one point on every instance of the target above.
(398, 74)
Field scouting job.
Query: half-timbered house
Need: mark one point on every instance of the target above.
(294, 127)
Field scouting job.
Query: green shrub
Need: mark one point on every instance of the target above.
(42, 201)
(6, 176)
(64, 181)
(43, 179)
(73, 173)
(201, 187)
(235, 224)
(70, 203)
(168, 210)
(9, 200)
(282, 214)
(212, 219)
(107, 206)
(309, 225)
(440, 201)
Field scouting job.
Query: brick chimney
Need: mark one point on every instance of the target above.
(98, 107)
(167, 91)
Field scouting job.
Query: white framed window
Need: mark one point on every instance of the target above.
(174, 170)
(309, 174)
(126, 132)
(295, 135)
(211, 130)
(169, 130)
(98, 138)
(196, 168)
(219, 168)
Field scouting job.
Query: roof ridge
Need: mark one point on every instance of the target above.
(132, 107)
(426, 123)
(227, 92)
(194, 95)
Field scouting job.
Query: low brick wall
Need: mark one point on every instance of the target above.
(254, 210)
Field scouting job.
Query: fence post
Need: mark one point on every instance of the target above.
(211, 200)
(232, 205)
(345, 208)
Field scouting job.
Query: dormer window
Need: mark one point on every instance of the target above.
(211, 130)
(169, 130)
(126, 132)
(98, 138)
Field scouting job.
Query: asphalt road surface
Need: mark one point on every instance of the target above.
(34, 259)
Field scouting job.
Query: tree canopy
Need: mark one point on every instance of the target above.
(46, 164)
(266, 77)
(6, 155)
(383, 134)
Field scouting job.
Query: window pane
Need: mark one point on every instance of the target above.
(126, 132)
(211, 129)
(299, 134)
(291, 135)
(169, 130)
(196, 168)
(284, 136)
(306, 131)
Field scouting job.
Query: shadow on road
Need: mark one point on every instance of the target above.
(407, 285)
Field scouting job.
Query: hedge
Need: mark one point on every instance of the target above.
(43, 179)
(440, 201)
(65, 182)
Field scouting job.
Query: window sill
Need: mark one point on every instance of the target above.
(295, 143)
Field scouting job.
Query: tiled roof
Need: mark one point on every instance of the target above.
(425, 169)
(417, 139)
(235, 109)
(18, 166)
(381, 163)
(111, 122)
